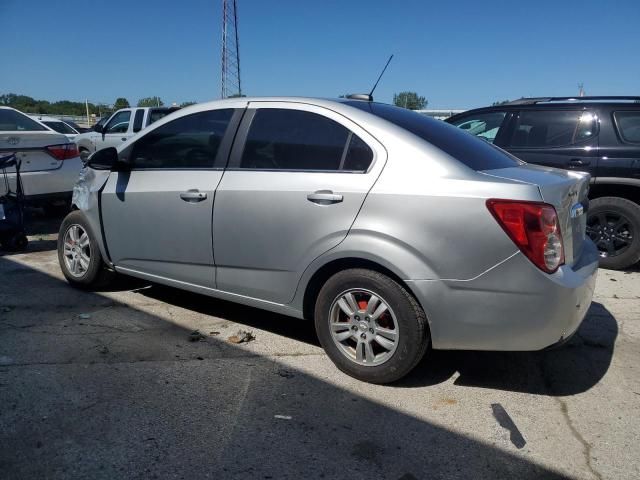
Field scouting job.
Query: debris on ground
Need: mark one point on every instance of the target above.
(613, 279)
(84, 316)
(196, 336)
(243, 336)
(103, 349)
(285, 373)
(283, 417)
(200, 358)
(214, 333)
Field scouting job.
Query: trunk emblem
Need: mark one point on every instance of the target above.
(577, 210)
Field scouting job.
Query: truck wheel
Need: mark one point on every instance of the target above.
(371, 327)
(614, 226)
(78, 252)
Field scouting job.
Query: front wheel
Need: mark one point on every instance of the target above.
(78, 252)
(371, 327)
(614, 226)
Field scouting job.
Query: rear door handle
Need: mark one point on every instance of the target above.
(577, 162)
(324, 197)
(193, 196)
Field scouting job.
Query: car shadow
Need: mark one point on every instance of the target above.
(572, 368)
(93, 388)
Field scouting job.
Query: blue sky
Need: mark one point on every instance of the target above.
(458, 54)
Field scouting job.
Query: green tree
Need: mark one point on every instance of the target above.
(186, 104)
(121, 102)
(409, 100)
(150, 102)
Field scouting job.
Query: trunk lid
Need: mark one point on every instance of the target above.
(30, 148)
(567, 191)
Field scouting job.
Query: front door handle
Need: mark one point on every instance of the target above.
(578, 162)
(193, 196)
(324, 197)
(124, 139)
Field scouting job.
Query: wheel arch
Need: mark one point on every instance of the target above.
(604, 188)
(324, 272)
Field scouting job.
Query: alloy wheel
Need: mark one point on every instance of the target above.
(611, 232)
(77, 251)
(363, 327)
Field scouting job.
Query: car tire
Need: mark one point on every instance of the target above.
(398, 353)
(89, 269)
(611, 221)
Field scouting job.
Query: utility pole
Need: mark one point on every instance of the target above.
(230, 50)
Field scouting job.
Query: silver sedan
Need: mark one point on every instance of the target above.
(392, 231)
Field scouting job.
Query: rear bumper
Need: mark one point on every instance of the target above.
(56, 183)
(514, 306)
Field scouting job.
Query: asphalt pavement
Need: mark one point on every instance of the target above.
(143, 381)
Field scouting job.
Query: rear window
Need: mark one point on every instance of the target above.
(628, 124)
(468, 149)
(60, 127)
(155, 115)
(12, 121)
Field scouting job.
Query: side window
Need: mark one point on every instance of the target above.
(186, 142)
(552, 128)
(281, 139)
(137, 120)
(628, 125)
(119, 123)
(482, 125)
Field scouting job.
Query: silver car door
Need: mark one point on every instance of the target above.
(297, 178)
(157, 217)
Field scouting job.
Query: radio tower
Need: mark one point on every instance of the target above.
(230, 50)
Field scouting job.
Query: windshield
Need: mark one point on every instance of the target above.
(472, 151)
(60, 127)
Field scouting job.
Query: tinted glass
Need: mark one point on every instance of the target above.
(483, 125)
(60, 127)
(119, 123)
(137, 120)
(628, 124)
(552, 128)
(473, 152)
(187, 142)
(12, 121)
(155, 115)
(282, 139)
(359, 155)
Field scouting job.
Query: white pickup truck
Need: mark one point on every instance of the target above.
(121, 126)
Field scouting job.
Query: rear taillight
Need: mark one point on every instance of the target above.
(64, 151)
(534, 229)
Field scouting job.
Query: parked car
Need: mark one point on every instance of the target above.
(118, 128)
(57, 125)
(390, 229)
(76, 127)
(49, 161)
(599, 135)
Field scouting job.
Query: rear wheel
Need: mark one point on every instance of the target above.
(371, 327)
(614, 226)
(78, 252)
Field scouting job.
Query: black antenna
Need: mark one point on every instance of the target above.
(378, 81)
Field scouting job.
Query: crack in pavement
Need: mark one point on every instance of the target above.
(586, 446)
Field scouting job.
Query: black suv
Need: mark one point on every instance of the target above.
(599, 135)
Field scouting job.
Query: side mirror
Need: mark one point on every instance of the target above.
(106, 159)
(98, 128)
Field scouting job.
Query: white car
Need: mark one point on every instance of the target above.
(119, 128)
(50, 163)
(57, 125)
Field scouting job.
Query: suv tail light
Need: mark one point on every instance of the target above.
(534, 228)
(64, 151)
